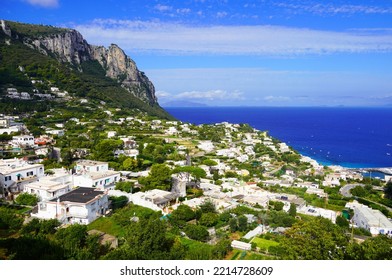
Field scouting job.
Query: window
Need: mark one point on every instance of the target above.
(30, 173)
(7, 178)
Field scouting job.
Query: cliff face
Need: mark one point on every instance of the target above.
(69, 46)
(122, 68)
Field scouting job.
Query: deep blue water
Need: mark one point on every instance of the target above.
(350, 137)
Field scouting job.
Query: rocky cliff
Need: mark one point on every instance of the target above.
(68, 45)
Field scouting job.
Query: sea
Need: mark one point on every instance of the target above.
(349, 137)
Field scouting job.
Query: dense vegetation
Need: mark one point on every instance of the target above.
(91, 82)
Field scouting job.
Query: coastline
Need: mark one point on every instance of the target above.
(346, 136)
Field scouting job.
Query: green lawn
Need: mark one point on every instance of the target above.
(107, 225)
(264, 244)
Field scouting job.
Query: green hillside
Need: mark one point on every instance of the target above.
(20, 64)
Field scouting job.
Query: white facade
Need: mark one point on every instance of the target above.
(241, 245)
(9, 130)
(206, 146)
(100, 180)
(58, 132)
(52, 186)
(46, 189)
(155, 199)
(25, 140)
(315, 211)
(372, 220)
(91, 166)
(15, 173)
(79, 206)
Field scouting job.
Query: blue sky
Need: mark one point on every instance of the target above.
(231, 53)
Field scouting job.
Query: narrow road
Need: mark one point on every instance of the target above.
(345, 191)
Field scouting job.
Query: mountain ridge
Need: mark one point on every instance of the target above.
(69, 46)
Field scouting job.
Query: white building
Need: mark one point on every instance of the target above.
(241, 245)
(46, 189)
(206, 146)
(112, 133)
(372, 220)
(23, 140)
(101, 180)
(155, 199)
(91, 166)
(15, 173)
(58, 132)
(9, 130)
(315, 211)
(51, 186)
(171, 130)
(79, 206)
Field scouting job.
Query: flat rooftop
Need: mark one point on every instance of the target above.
(374, 217)
(90, 162)
(79, 195)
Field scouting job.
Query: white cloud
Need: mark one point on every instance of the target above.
(163, 8)
(210, 95)
(271, 98)
(323, 9)
(162, 94)
(258, 86)
(159, 37)
(44, 3)
(183, 11)
(221, 14)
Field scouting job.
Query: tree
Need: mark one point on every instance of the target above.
(195, 171)
(314, 239)
(129, 164)
(9, 219)
(233, 224)
(293, 210)
(196, 232)
(210, 162)
(43, 227)
(208, 219)
(208, 207)
(222, 248)
(374, 248)
(242, 223)
(358, 191)
(342, 222)
(104, 150)
(118, 201)
(388, 190)
(72, 239)
(159, 178)
(125, 186)
(27, 199)
(181, 215)
(147, 240)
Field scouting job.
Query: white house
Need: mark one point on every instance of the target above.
(241, 245)
(58, 132)
(15, 173)
(372, 220)
(91, 166)
(112, 133)
(46, 189)
(155, 199)
(51, 186)
(315, 211)
(100, 180)
(23, 140)
(9, 130)
(79, 206)
(206, 146)
(171, 130)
